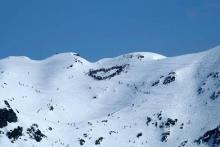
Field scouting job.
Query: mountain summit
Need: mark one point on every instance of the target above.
(134, 100)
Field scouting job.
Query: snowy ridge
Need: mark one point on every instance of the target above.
(134, 100)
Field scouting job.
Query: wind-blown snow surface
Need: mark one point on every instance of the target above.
(134, 100)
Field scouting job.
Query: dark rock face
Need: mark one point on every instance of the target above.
(212, 80)
(163, 124)
(170, 122)
(164, 136)
(148, 120)
(215, 95)
(81, 141)
(35, 133)
(165, 80)
(213, 75)
(200, 90)
(134, 56)
(140, 56)
(51, 108)
(155, 83)
(106, 72)
(210, 138)
(15, 134)
(99, 140)
(183, 143)
(139, 135)
(7, 116)
(7, 104)
(167, 124)
(170, 78)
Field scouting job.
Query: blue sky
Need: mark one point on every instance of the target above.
(107, 28)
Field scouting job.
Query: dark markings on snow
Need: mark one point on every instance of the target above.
(210, 138)
(118, 69)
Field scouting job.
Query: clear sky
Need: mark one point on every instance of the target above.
(107, 28)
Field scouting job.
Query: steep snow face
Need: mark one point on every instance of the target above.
(134, 100)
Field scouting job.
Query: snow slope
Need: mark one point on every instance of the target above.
(134, 100)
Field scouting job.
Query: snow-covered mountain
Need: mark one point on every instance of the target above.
(134, 100)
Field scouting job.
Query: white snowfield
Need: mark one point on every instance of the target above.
(134, 100)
